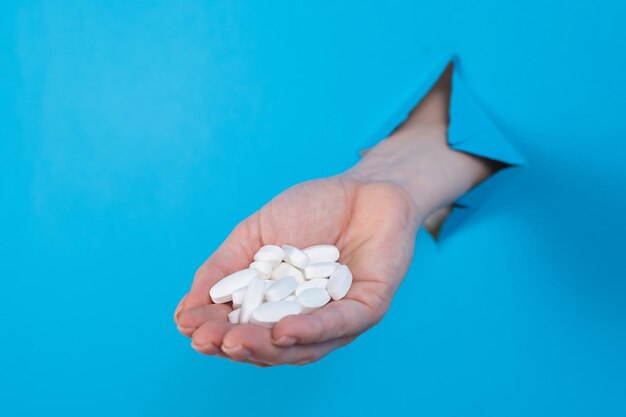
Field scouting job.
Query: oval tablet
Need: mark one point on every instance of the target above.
(269, 314)
(295, 256)
(270, 253)
(238, 295)
(281, 289)
(286, 270)
(264, 268)
(314, 283)
(319, 270)
(292, 297)
(222, 291)
(233, 316)
(339, 282)
(321, 253)
(252, 299)
(312, 299)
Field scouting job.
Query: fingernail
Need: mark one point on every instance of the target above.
(209, 348)
(238, 352)
(286, 341)
(179, 308)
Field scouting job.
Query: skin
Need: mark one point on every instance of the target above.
(371, 212)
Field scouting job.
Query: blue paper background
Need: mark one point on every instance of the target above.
(134, 135)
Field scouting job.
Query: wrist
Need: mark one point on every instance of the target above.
(399, 160)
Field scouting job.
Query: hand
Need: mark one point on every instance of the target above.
(371, 213)
(374, 226)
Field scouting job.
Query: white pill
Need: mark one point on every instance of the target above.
(270, 253)
(281, 289)
(321, 253)
(312, 299)
(319, 270)
(292, 297)
(238, 295)
(264, 268)
(233, 316)
(269, 314)
(268, 283)
(295, 256)
(222, 291)
(339, 282)
(285, 270)
(252, 299)
(314, 283)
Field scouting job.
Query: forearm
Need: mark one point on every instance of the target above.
(417, 157)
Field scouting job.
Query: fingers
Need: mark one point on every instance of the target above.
(194, 317)
(234, 253)
(337, 319)
(294, 340)
(252, 343)
(208, 337)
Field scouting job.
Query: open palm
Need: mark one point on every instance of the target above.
(372, 224)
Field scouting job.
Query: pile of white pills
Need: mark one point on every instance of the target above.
(283, 281)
